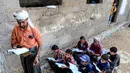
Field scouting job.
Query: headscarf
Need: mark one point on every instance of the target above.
(97, 39)
(22, 15)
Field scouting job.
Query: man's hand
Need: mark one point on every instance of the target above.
(14, 47)
(36, 61)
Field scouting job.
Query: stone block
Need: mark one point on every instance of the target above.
(10, 17)
(70, 9)
(11, 5)
(3, 18)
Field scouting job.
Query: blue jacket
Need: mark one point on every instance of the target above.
(103, 66)
(86, 68)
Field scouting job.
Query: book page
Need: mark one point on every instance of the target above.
(60, 65)
(18, 51)
(77, 50)
(50, 58)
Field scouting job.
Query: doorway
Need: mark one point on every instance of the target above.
(115, 14)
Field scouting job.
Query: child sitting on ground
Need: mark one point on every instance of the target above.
(96, 50)
(82, 45)
(103, 64)
(85, 66)
(114, 59)
(58, 54)
(68, 58)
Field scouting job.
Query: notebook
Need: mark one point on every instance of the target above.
(60, 65)
(96, 67)
(50, 58)
(18, 51)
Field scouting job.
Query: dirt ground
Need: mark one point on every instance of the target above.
(121, 40)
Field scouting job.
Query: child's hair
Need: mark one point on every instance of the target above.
(69, 51)
(105, 57)
(113, 49)
(54, 47)
(82, 38)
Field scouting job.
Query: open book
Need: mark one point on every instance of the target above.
(50, 58)
(18, 51)
(96, 67)
(74, 68)
(77, 50)
(60, 65)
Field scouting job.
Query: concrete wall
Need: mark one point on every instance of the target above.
(62, 26)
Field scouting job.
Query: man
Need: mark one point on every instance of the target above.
(28, 36)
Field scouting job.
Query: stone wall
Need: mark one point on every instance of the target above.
(62, 26)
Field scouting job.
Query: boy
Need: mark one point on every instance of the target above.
(112, 12)
(96, 49)
(103, 64)
(85, 66)
(114, 59)
(58, 54)
(82, 45)
(68, 58)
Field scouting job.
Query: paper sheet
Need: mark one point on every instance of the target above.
(77, 50)
(18, 51)
(74, 68)
(60, 65)
(50, 58)
(96, 67)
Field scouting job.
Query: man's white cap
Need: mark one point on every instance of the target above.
(22, 15)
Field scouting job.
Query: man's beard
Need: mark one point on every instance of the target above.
(23, 27)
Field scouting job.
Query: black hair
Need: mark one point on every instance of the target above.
(69, 51)
(82, 38)
(113, 49)
(54, 47)
(105, 57)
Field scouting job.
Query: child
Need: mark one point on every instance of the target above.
(114, 59)
(85, 66)
(112, 12)
(96, 49)
(68, 58)
(82, 45)
(58, 54)
(103, 64)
